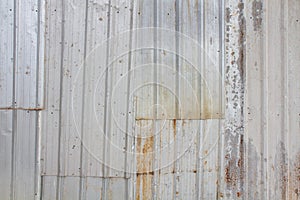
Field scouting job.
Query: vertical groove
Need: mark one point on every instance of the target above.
(177, 56)
(263, 112)
(266, 104)
(222, 66)
(176, 91)
(284, 96)
(14, 117)
(38, 51)
(200, 60)
(106, 114)
(155, 100)
(81, 178)
(203, 46)
(41, 190)
(60, 101)
(37, 181)
(128, 101)
(287, 122)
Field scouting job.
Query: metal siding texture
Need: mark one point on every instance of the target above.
(21, 91)
(93, 104)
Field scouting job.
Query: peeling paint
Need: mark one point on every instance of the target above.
(234, 96)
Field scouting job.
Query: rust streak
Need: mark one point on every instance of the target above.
(21, 108)
(294, 186)
(174, 127)
(144, 167)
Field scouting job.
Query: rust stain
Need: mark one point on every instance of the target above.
(205, 112)
(147, 182)
(205, 108)
(221, 195)
(234, 170)
(144, 167)
(294, 190)
(21, 108)
(138, 183)
(148, 146)
(174, 127)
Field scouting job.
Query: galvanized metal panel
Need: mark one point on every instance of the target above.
(51, 115)
(21, 82)
(21, 97)
(7, 53)
(292, 75)
(49, 187)
(6, 138)
(93, 138)
(112, 127)
(27, 44)
(24, 160)
(271, 157)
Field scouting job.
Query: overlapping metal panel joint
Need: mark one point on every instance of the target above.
(149, 99)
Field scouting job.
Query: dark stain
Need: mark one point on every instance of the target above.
(241, 61)
(145, 173)
(241, 163)
(227, 15)
(257, 10)
(281, 169)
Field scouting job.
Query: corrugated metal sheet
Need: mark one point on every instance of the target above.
(148, 99)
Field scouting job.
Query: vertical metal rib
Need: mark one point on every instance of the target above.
(58, 185)
(201, 61)
(177, 41)
(106, 114)
(155, 100)
(128, 101)
(82, 179)
(221, 85)
(14, 118)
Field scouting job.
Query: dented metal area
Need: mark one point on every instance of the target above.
(150, 99)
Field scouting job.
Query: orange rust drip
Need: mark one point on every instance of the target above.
(174, 127)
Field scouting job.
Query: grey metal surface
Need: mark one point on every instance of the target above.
(149, 99)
